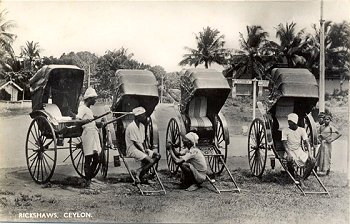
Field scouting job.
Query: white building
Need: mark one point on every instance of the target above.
(9, 88)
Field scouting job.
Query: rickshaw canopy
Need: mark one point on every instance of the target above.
(204, 82)
(293, 85)
(291, 82)
(63, 83)
(135, 88)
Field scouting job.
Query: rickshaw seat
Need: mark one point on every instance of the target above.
(283, 108)
(127, 120)
(55, 112)
(128, 105)
(197, 112)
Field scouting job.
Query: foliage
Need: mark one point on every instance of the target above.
(210, 48)
(108, 64)
(256, 55)
(31, 52)
(337, 46)
(292, 44)
(7, 54)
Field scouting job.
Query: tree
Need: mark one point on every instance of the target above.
(337, 49)
(31, 52)
(7, 56)
(210, 48)
(291, 44)
(257, 54)
(108, 64)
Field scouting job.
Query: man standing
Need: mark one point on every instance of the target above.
(292, 138)
(134, 139)
(327, 133)
(191, 161)
(90, 138)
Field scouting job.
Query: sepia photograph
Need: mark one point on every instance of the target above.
(164, 111)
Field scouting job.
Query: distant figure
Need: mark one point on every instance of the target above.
(89, 137)
(191, 161)
(318, 126)
(134, 139)
(292, 138)
(325, 137)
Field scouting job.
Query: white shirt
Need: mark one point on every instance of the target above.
(134, 133)
(85, 113)
(196, 158)
(294, 137)
(294, 140)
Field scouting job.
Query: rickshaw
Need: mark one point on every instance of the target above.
(291, 91)
(55, 91)
(203, 93)
(133, 88)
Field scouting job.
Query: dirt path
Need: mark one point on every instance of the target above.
(270, 200)
(273, 199)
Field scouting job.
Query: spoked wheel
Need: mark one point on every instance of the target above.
(257, 147)
(104, 158)
(215, 163)
(173, 136)
(41, 150)
(78, 157)
(149, 141)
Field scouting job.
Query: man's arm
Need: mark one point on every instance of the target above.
(285, 145)
(176, 158)
(338, 134)
(139, 146)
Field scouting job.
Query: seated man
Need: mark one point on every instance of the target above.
(134, 139)
(191, 161)
(292, 138)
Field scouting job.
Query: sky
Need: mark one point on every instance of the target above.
(156, 32)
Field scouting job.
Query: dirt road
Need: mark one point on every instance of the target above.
(273, 199)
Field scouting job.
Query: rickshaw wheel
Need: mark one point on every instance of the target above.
(172, 136)
(41, 150)
(78, 158)
(104, 159)
(221, 147)
(257, 147)
(149, 141)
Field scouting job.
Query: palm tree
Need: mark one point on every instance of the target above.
(210, 48)
(337, 48)
(6, 40)
(31, 51)
(257, 54)
(291, 44)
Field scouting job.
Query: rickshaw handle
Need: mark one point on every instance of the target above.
(123, 115)
(98, 117)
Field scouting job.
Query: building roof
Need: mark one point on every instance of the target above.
(3, 84)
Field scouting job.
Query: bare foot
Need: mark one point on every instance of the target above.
(193, 187)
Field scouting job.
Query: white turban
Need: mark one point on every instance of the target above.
(293, 117)
(193, 137)
(90, 92)
(138, 111)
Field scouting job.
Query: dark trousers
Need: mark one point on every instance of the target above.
(309, 165)
(187, 175)
(91, 162)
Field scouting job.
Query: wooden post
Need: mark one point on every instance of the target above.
(254, 96)
(89, 77)
(162, 89)
(322, 64)
(347, 151)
